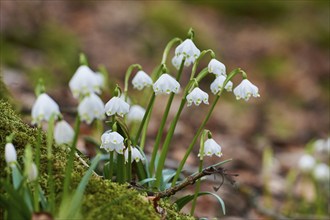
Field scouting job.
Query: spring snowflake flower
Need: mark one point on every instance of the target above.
(10, 153)
(32, 172)
(141, 80)
(245, 90)
(217, 84)
(211, 147)
(322, 172)
(166, 84)
(63, 132)
(84, 82)
(112, 141)
(197, 96)
(90, 108)
(217, 68)
(176, 61)
(136, 113)
(44, 108)
(116, 105)
(188, 50)
(306, 163)
(322, 146)
(136, 155)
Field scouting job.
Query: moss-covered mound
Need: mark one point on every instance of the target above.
(103, 199)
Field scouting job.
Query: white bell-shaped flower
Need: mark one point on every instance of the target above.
(141, 80)
(112, 141)
(322, 146)
(306, 163)
(217, 68)
(245, 90)
(136, 113)
(177, 60)
(322, 172)
(44, 108)
(217, 84)
(90, 108)
(166, 84)
(116, 105)
(211, 148)
(136, 155)
(189, 51)
(63, 132)
(10, 153)
(100, 80)
(84, 82)
(32, 174)
(197, 96)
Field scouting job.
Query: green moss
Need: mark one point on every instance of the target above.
(103, 199)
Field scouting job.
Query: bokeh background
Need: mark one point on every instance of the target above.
(282, 45)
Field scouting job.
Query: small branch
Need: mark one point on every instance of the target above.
(192, 179)
(84, 163)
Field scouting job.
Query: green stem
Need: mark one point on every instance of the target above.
(129, 165)
(168, 48)
(197, 189)
(162, 124)
(38, 147)
(51, 185)
(36, 196)
(203, 53)
(127, 76)
(200, 168)
(144, 121)
(69, 164)
(141, 171)
(121, 171)
(111, 164)
(144, 132)
(200, 129)
(170, 133)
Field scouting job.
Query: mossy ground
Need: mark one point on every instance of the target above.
(102, 200)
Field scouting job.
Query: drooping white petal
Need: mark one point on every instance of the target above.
(322, 172)
(90, 108)
(166, 84)
(245, 90)
(217, 68)
(197, 96)
(99, 79)
(306, 163)
(188, 50)
(116, 105)
(211, 148)
(217, 84)
(112, 141)
(32, 172)
(135, 113)
(10, 153)
(322, 145)
(141, 80)
(135, 155)
(84, 82)
(63, 132)
(44, 108)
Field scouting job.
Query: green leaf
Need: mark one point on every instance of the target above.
(147, 180)
(77, 198)
(186, 199)
(16, 176)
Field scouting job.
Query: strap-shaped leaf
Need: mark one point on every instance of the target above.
(186, 199)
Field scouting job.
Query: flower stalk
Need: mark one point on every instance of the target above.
(70, 159)
(51, 184)
(201, 127)
(127, 76)
(163, 121)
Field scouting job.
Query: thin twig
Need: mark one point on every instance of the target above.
(191, 180)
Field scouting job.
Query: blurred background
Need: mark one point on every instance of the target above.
(282, 45)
